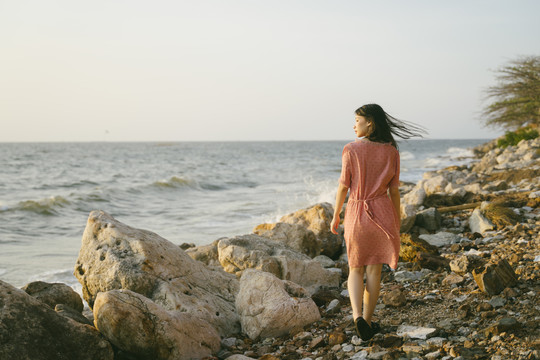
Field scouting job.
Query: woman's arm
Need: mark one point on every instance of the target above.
(340, 199)
(394, 196)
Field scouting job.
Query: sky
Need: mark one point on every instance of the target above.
(243, 70)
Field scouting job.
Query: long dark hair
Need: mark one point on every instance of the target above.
(383, 125)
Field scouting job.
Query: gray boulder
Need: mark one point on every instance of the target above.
(430, 219)
(140, 327)
(318, 218)
(256, 252)
(295, 236)
(479, 223)
(325, 261)
(408, 217)
(115, 256)
(270, 307)
(439, 239)
(207, 254)
(416, 196)
(435, 184)
(31, 330)
(53, 294)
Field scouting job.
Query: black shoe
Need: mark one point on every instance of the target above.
(376, 327)
(363, 329)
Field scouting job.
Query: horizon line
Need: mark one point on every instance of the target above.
(208, 141)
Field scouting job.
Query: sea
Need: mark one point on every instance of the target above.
(187, 192)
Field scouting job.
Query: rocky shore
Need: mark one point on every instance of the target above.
(466, 286)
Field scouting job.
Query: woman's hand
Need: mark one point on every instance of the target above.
(340, 199)
(335, 224)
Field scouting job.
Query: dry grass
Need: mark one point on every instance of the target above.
(514, 176)
(501, 215)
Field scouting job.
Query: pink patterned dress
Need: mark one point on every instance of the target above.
(371, 226)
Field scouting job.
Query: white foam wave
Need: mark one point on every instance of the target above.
(327, 194)
(44, 206)
(456, 152)
(433, 162)
(407, 155)
(3, 271)
(174, 182)
(320, 191)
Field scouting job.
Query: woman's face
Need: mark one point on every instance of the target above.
(361, 126)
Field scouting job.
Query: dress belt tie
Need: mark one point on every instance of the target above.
(365, 205)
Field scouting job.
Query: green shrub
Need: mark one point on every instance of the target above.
(514, 137)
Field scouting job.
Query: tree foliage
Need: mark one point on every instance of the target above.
(515, 100)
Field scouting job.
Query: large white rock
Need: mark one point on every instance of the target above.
(507, 156)
(207, 254)
(318, 218)
(474, 188)
(488, 161)
(416, 196)
(408, 217)
(479, 223)
(295, 236)
(140, 327)
(115, 256)
(415, 332)
(270, 307)
(325, 261)
(441, 238)
(459, 192)
(454, 189)
(239, 357)
(408, 276)
(454, 176)
(256, 252)
(435, 184)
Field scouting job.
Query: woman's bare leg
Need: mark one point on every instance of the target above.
(371, 294)
(355, 285)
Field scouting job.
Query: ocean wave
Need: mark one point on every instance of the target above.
(433, 162)
(46, 206)
(241, 183)
(326, 193)
(3, 271)
(456, 152)
(175, 182)
(453, 156)
(68, 185)
(213, 187)
(407, 155)
(94, 197)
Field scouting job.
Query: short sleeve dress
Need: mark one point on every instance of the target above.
(369, 169)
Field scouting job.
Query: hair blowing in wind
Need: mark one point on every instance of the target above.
(385, 125)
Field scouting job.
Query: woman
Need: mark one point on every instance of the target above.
(370, 169)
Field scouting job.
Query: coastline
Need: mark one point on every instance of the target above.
(433, 305)
(173, 190)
